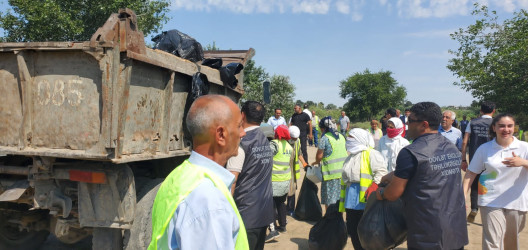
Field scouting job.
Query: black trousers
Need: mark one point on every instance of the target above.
(290, 203)
(256, 237)
(304, 141)
(281, 209)
(474, 193)
(352, 222)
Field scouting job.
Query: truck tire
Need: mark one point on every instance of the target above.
(107, 238)
(12, 238)
(139, 235)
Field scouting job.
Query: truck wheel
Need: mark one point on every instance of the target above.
(138, 237)
(107, 238)
(12, 238)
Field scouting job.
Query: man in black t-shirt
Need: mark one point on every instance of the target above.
(304, 123)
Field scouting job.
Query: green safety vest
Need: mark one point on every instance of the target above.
(365, 180)
(333, 164)
(176, 187)
(281, 162)
(316, 119)
(297, 167)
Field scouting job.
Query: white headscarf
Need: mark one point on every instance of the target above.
(397, 124)
(359, 140)
(390, 147)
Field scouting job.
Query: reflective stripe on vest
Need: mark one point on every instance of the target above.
(297, 167)
(281, 162)
(365, 180)
(176, 187)
(332, 165)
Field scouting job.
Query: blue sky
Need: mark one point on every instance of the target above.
(318, 43)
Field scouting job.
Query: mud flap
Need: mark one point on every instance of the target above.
(15, 191)
(111, 204)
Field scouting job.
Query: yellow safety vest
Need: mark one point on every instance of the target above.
(316, 119)
(297, 167)
(176, 187)
(281, 161)
(365, 180)
(332, 165)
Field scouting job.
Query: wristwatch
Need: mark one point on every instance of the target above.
(381, 193)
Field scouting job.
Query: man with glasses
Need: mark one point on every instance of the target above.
(428, 180)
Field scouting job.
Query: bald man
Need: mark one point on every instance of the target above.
(194, 208)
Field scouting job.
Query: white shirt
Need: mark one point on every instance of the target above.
(276, 122)
(390, 148)
(307, 111)
(501, 186)
(235, 163)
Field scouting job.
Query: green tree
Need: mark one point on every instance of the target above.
(370, 93)
(66, 20)
(320, 105)
(282, 91)
(310, 103)
(331, 106)
(212, 47)
(492, 60)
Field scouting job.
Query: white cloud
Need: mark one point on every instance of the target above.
(343, 7)
(355, 8)
(432, 34)
(428, 55)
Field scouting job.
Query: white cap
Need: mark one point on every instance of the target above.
(294, 132)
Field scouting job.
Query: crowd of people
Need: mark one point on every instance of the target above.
(238, 186)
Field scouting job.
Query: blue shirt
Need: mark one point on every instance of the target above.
(352, 197)
(276, 122)
(454, 135)
(204, 219)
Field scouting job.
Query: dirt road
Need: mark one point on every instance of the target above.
(296, 236)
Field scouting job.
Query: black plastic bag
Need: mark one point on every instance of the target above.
(330, 232)
(179, 44)
(214, 63)
(308, 205)
(228, 72)
(382, 225)
(200, 85)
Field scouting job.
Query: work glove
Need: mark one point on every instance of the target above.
(372, 189)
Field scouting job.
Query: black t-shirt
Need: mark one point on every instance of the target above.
(301, 121)
(406, 163)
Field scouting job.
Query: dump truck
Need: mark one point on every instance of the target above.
(88, 131)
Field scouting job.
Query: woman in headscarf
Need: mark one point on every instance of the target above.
(281, 176)
(363, 167)
(391, 143)
(331, 154)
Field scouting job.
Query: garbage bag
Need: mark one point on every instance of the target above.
(308, 205)
(200, 85)
(330, 232)
(228, 72)
(382, 225)
(214, 63)
(179, 44)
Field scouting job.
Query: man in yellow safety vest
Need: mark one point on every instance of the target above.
(193, 208)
